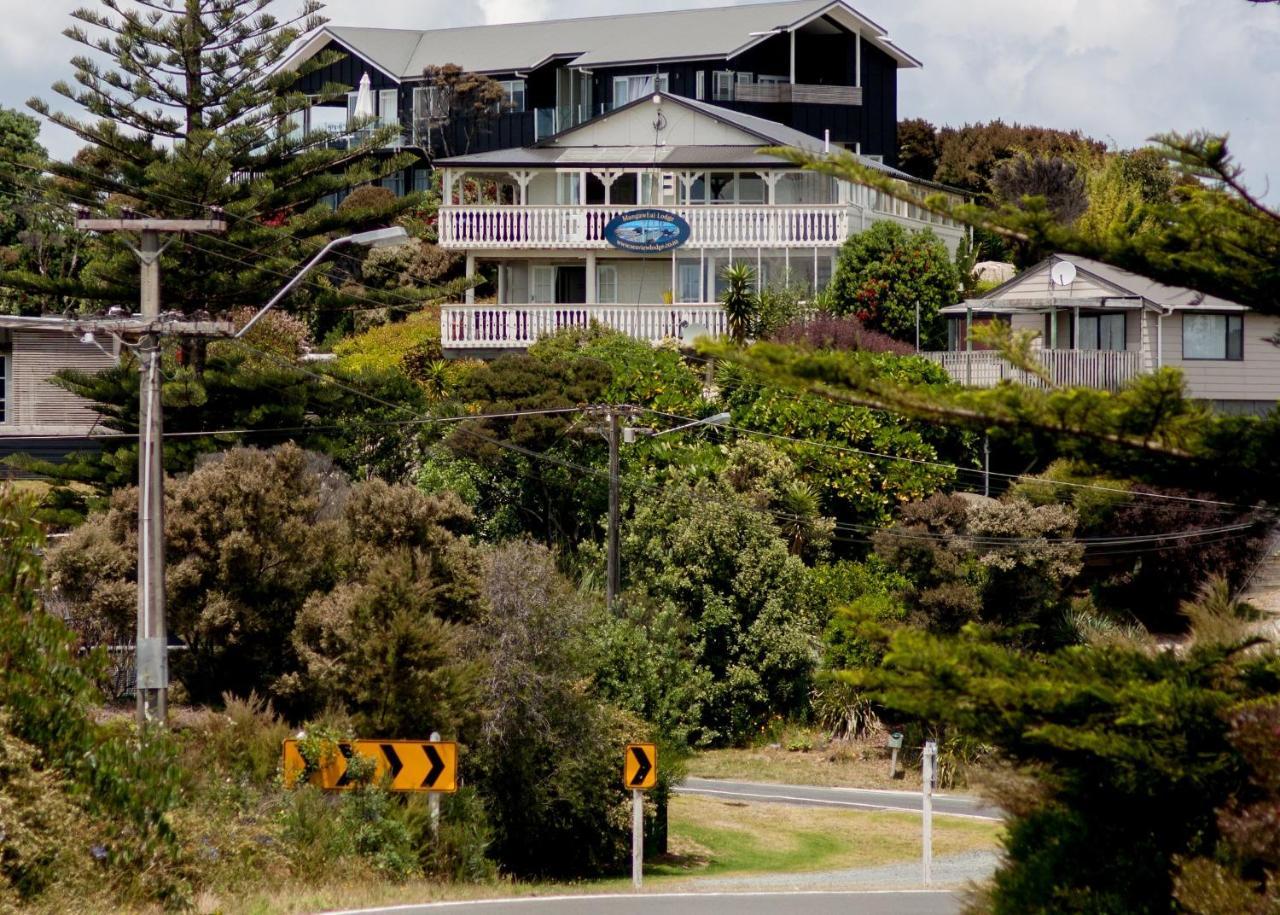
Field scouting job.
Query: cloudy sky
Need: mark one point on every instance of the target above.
(1120, 70)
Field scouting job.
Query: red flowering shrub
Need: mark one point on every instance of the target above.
(828, 331)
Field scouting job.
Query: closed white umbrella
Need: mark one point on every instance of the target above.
(364, 100)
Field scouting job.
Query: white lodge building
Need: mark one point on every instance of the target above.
(539, 218)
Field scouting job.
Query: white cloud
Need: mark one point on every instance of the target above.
(1120, 70)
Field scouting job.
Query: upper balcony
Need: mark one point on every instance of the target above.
(540, 227)
(796, 93)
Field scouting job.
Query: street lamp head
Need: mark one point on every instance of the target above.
(379, 238)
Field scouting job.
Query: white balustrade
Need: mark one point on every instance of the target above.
(475, 227)
(518, 326)
(1104, 369)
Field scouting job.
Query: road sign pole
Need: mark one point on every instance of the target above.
(929, 765)
(637, 837)
(433, 800)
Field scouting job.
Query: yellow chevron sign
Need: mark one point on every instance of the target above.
(640, 766)
(405, 765)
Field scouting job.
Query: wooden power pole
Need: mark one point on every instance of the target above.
(151, 659)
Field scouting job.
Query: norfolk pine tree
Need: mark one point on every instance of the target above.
(186, 109)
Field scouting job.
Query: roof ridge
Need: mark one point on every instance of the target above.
(564, 19)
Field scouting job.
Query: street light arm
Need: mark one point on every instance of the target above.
(718, 420)
(289, 286)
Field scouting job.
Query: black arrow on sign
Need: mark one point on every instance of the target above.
(437, 768)
(642, 765)
(347, 753)
(393, 759)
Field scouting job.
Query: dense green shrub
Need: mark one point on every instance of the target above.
(884, 272)
(548, 755)
(1130, 749)
(750, 621)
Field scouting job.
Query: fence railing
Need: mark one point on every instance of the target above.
(1103, 369)
(800, 92)
(816, 225)
(518, 326)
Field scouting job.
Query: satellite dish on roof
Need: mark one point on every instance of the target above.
(1063, 273)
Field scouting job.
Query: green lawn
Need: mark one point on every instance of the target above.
(712, 837)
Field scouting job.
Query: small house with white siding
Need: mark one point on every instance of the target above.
(37, 416)
(1101, 326)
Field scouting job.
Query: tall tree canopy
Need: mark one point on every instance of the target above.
(186, 112)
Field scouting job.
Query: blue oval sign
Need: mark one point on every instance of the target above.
(647, 231)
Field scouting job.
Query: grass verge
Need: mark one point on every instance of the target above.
(849, 765)
(709, 838)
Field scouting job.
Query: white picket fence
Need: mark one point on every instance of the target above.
(1104, 369)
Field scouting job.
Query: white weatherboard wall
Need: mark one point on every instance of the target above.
(634, 127)
(1254, 378)
(34, 405)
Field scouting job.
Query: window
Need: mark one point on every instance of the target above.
(629, 88)
(700, 85)
(689, 281)
(606, 284)
(751, 188)
(513, 92)
(722, 85)
(768, 80)
(351, 106)
(388, 114)
(722, 187)
(744, 79)
(421, 180)
(1101, 332)
(394, 183)
(1212, 336)
(569, 188)
(543, 287)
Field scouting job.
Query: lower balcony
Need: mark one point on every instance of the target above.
(497, 327)
(1104, 369)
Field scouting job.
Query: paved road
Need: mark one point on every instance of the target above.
(850, 798)
(861, 903)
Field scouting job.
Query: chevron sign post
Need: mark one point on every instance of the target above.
(406, 765)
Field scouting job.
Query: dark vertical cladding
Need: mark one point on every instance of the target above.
(879, 104)
(345, 72)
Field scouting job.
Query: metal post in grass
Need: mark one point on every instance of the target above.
(929, 765)
(637, 837)
(433, 799)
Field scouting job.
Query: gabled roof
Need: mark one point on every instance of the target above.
(709, 33)
(1126, 284)
(561, 150)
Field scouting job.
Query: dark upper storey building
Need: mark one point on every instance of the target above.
(818, 66)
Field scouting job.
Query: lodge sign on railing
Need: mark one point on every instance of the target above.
(647, 231)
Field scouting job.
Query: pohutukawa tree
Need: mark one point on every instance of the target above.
(185, 107)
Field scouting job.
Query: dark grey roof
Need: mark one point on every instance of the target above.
(713, 32)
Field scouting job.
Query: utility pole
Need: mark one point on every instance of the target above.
(152, 652)
(610, 426)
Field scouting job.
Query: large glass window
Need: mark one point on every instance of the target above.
(721, 185)
(1212, 336)
(543, 286)
(722, 85)
(689, 280)
(569, 189)
(751, 188)
(388, 113)
(513, 92)
(606, 284)
(1101, 332)
(629, 88)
